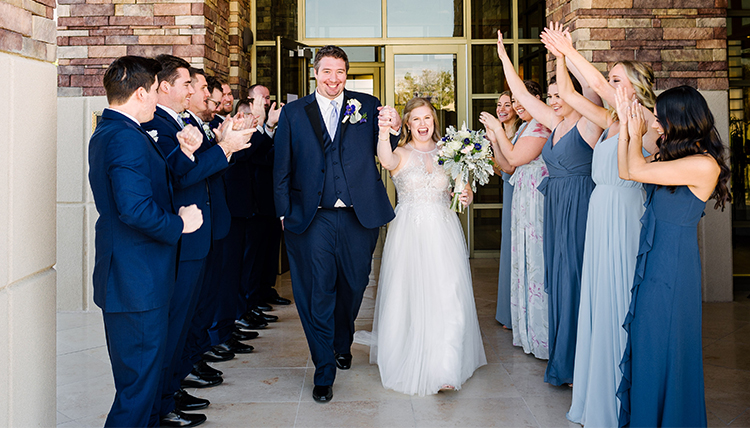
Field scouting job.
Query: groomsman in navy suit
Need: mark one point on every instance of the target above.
(332, 202)
(203, 186)
(136, 234)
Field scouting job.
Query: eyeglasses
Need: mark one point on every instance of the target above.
(216, 103)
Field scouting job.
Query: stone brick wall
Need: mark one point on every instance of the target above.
(239, 60)
(92, 33)
(684, 40)
(27, 28)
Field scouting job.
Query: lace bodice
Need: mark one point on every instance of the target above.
(421, 180)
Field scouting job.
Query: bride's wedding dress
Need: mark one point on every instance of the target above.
(425, 328)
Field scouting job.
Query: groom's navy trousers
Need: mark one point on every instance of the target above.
(330, 266)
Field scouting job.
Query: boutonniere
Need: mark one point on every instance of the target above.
(154, 134)
(351, 112)
(208, 131)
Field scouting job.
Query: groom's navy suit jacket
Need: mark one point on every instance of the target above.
(299, 163)
(137, 231)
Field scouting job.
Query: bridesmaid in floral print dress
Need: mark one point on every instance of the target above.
(527, 297)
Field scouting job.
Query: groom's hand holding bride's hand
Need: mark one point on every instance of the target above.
(390, 117)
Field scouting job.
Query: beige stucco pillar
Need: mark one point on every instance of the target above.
(28, 128)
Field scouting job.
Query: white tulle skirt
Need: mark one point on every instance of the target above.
(425, 328)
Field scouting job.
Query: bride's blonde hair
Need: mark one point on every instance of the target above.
(410, 106)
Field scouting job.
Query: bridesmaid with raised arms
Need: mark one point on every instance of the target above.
(612, 231)
(567, 154)
(509, 123)
(525, 270)
(662, 383)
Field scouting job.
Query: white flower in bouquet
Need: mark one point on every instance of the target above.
(466, 157)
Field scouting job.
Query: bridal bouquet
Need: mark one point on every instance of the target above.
(467, 158)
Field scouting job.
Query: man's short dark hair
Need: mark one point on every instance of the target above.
(243, 102)
(196, 71)
(169, 67)
(331, 51)
(251, 89)
(128, 73)
(213, 84)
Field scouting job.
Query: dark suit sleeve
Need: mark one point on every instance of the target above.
(260, 144)
(129, 172)
(282, 165)
(207, 163)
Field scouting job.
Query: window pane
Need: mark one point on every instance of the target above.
(430, 76)
(360, 53)
(348, 20)
(487, 71)
(487, 229)
(490, 193)
(478, 106)
(276, 18)
(532, 63)
(531, 16)
(426, 18)
(488, 16)
(265, 67)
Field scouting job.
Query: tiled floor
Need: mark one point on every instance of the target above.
(272, 386)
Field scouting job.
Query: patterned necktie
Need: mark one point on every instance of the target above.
(333, 120)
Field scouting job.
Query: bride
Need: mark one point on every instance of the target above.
(425, 331)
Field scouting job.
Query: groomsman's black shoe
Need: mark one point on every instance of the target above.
(344, 361)
(250, 322)
(180, 419)
(322, 394)
(279, 301)
(246, 335)
(235, 346)
(216, 355)
(195, 380)
(265, 317)
(264, 307)
(186, 402)
(205, 370)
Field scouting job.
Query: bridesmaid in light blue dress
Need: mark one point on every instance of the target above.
(612, 230)
(662, 382)
(510, 123)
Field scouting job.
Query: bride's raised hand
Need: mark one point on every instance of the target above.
(385, 121)
(557, 38)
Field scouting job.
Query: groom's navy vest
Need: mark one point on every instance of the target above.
(334, 184)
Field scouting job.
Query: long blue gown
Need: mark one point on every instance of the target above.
(612, 232)
(566, 202)
(662, 367)
(503, 281)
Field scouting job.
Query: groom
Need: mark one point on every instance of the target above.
(331, 200)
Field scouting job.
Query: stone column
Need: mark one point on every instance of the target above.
(28, 120)
(685, 41)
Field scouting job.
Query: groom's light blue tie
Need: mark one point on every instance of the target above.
(333, 120)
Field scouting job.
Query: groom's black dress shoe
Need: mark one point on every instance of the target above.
(344, 361)
(180, 419)
(322, 394)
(186, 402)
(235, 346)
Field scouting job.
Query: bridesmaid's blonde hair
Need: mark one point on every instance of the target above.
(516, 123)
(410, 106)
(641, 76)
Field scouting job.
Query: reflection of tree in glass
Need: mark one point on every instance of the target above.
(437, 86)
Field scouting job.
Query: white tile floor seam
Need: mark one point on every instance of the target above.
(272, 386)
